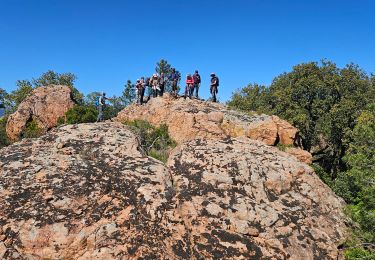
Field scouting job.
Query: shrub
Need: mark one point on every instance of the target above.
(3, 135)
(32, 130)
(155, 141)
(79, 114)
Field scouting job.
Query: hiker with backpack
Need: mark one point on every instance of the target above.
(197, 82)
(174, 78)
(100, 104)
(189, 86)
(214, 86)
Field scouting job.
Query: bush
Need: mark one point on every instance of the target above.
(3, 135)
(79, 114)
(155, 141)
(32, 130)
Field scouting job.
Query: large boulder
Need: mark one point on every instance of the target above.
(86, 192)
(190, 119)
(44, 105)
(239, 198)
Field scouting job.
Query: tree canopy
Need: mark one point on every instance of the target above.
(334, 111)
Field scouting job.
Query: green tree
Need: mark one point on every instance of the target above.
(53, 78)
(321, 100)
(163, 67)
(91, 98)
(361, 174)
(80, 114)
(12, 101)
(250, 98)
(128, 94)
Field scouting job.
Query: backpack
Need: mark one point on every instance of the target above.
(197, 78)
(217, 81)
(97, 101)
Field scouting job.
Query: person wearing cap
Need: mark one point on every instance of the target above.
(101, 105)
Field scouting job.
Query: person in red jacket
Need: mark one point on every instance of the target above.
(189, 85)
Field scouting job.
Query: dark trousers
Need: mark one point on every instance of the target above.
(196, 87)
(161, 89)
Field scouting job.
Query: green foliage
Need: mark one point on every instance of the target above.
(25, 87)
(359, 180)
(12, 101)
(163, 67)
(53, 78)
(334, 110)
(80, 114)
(3, 135)
(115, 105)
(322, 100)
(32, 130)
(359, 253)
(128, 94)
(250, 98)
(283, 147)
(154, 141)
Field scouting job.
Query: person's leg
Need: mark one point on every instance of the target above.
(142, 95)
(100, 115)
(191, 89)
(186, 90)
(162, 89)
(174, 88)
(196, 90)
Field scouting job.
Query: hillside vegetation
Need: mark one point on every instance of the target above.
(334, 108)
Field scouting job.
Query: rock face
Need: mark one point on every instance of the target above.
(86, 192)
(45, 105)
(190, 119)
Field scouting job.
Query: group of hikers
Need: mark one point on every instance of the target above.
(156, 87)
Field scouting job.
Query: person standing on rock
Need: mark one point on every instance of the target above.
(174, 78)
(101, 106)
(189, 86)
(155, 85)
(197, 83)
(138, 91)
(214, 86)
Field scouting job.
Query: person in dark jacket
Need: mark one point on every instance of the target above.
(197, 83)
(214, 86)
(174, 78)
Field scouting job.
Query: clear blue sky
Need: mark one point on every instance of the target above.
(107, 42)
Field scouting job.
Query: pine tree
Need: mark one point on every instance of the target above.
(128, 95)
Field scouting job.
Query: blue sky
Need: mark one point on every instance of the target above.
(107, 42)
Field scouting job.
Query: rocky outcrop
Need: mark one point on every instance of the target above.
(86, 192)
(302, 155)
(190, 119)
(44, 105)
